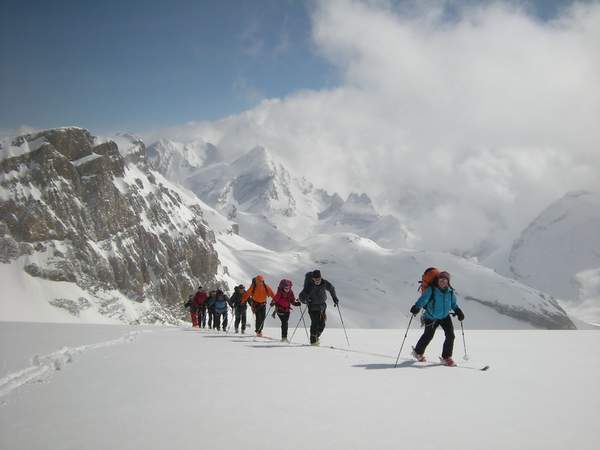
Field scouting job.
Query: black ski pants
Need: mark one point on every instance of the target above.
(240, 316)
(317, 324)
(284, 317)
(211, 317)
(202, 317)
(430, 327)
(217, 320)
(260, 311)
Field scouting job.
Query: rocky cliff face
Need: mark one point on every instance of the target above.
(92, 213)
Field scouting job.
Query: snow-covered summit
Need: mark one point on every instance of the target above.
(261, 193)
(561, 242)
(559, 252)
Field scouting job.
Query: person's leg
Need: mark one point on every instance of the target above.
(238, 316)
(428, 332)
(225, 320)
(194, 315)
(448, 328)
(260, 317)
(244, 320)
(315, 319)
(285, 317)
(322, 320)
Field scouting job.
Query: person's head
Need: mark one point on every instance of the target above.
(199, 288)
(285, 285)
(443, 280)
(259, 279)
(316, 276)
(241, 287)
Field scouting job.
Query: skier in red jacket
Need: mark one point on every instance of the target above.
(283, 301)
(199, 301)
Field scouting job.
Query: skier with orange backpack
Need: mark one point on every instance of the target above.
(282, 301)
(258, 292)
(437, 300)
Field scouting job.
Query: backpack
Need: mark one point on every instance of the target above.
(427, 279)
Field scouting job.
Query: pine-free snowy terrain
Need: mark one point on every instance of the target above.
(122, 387)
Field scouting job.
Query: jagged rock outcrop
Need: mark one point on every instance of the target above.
(92, 213)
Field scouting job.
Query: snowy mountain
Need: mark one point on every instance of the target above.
(377, 286)
(272, 207)
(88, 232)
(559, 252)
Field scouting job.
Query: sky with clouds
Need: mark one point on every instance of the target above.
(466, 125)
(463, 118)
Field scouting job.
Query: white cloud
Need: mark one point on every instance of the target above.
(466, 128)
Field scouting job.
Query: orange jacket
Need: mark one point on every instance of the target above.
(259, 291)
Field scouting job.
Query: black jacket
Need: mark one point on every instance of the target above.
(315, 296)
(235, 300)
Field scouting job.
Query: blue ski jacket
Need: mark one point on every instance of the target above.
(438, 305)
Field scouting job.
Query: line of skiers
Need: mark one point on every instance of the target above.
(212, 307)
(437, 300)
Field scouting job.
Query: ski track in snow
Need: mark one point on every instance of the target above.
(44, 366)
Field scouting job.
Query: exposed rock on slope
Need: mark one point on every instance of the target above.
(92, 213)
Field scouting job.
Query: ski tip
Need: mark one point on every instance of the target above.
(485, 368)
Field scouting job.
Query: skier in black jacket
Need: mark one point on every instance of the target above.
(239, 309)
(314, 295)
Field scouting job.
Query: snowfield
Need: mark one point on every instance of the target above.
(121, 387)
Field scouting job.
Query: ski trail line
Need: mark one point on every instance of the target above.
(44, 366)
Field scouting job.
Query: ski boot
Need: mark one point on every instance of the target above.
(284, 340)
(418, 357)
(448, 361)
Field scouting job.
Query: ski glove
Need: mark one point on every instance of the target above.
(335, 303)
(414, 310)
(459, 314)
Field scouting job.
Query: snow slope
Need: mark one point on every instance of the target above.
(559, 253)
(184, 389)
(377, 286)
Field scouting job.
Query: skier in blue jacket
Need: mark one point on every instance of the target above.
(437, 300)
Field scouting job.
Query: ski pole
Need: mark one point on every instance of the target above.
(305, 329)
(343, 326)
(405, 334)
(466, 357)
(302, 311)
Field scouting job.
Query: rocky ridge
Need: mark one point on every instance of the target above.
(78, 210)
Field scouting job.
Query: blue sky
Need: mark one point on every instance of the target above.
(131, 65)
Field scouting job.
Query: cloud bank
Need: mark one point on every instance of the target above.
(465, 127)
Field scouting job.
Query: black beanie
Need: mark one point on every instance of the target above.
(316, 273)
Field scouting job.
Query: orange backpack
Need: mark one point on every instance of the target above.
(427, 278)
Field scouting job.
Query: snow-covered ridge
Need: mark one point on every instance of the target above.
(273, 207)
(560, 251)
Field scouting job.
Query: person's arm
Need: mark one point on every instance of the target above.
(459, 314)
(275, 300)
(294, 301)
(245, 296)
(269, 291)
(331, 290)
(422, 301)
(425, 297)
